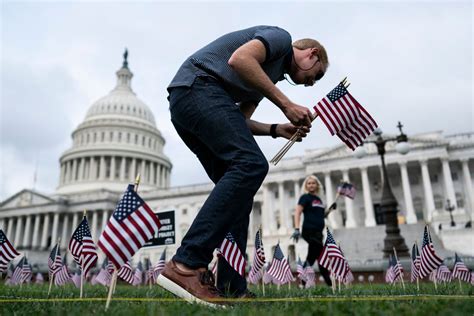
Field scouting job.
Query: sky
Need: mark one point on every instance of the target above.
(408, 61)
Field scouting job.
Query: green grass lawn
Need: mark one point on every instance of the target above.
(374, 299)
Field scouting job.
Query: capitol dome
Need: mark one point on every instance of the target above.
(117, 140)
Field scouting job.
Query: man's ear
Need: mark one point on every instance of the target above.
(314, 52)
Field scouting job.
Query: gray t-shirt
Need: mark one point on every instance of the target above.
(212, 60)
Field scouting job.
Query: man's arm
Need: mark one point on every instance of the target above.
(246, 62)
(259, 129)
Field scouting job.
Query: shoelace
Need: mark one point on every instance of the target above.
(207, 278)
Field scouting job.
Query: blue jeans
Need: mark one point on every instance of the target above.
(214, 128)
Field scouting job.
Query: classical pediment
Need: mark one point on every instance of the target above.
(25, 198)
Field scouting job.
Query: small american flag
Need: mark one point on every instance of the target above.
(7, 251)
(397, 269)
(309, 276)
(443, 273)
(39, 278)
(76, 278)
(82, 247)
(26, 272)
(331, 257)
(160, 265)
(138, 275)
(345, 117)
(389, 275)
(54, 260)
(267, 277)
(429, 260)
(231, 252)
(415, 263)
(16, 275)
(131, 225)
(258, 259)
(279, 268)
(104, 276)
(346, 189)
(460, 270)
(62, 276)
(125, 273)
(300, 269)
(349, 278)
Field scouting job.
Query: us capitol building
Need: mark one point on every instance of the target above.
(119, 139)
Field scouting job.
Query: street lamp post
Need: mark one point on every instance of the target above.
(389, 205)
(450, 208)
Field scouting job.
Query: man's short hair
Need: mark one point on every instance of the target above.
(312, 43)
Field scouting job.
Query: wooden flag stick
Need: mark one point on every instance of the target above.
(263, 283)
(401, 276)
(52, 276)
(82, 281)
(460, 285)
(418, 273)
(111, 288)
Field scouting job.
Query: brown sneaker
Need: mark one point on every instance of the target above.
(196, 286)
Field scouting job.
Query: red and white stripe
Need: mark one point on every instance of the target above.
(121, 240)
(233, 255)
(461, 272)
(125, 273)
(429, 260)
(7, 251)
(62, 276)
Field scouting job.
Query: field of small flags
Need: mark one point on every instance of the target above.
(118, 287)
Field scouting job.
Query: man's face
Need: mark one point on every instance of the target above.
(308, 69)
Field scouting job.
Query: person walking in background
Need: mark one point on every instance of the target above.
(311, 205)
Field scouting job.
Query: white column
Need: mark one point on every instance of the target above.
(105, 218)
(18, 231)
(82, 162)
(468, 186)
(132, 172)
(74, 170)
(44, 237)
(411, 216)
(64, 236)
(448, 182)
(122, 168)
(75, 222)
(350, 221)
(63, 173)
(330, 199)
(368, 204)
(27, 235)
(142, 170)
(94, 225)
(102, 168)
(112, 168)
(9, 231)
(93, 169)
(54, 233)
(152, 173)
(35, 239)
(266, 224)
(430, 207)
(2, 224)
(67, 172)
(285, 225)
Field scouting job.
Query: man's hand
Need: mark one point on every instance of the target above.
(296, 235)
(297, 114)
(287, 130)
